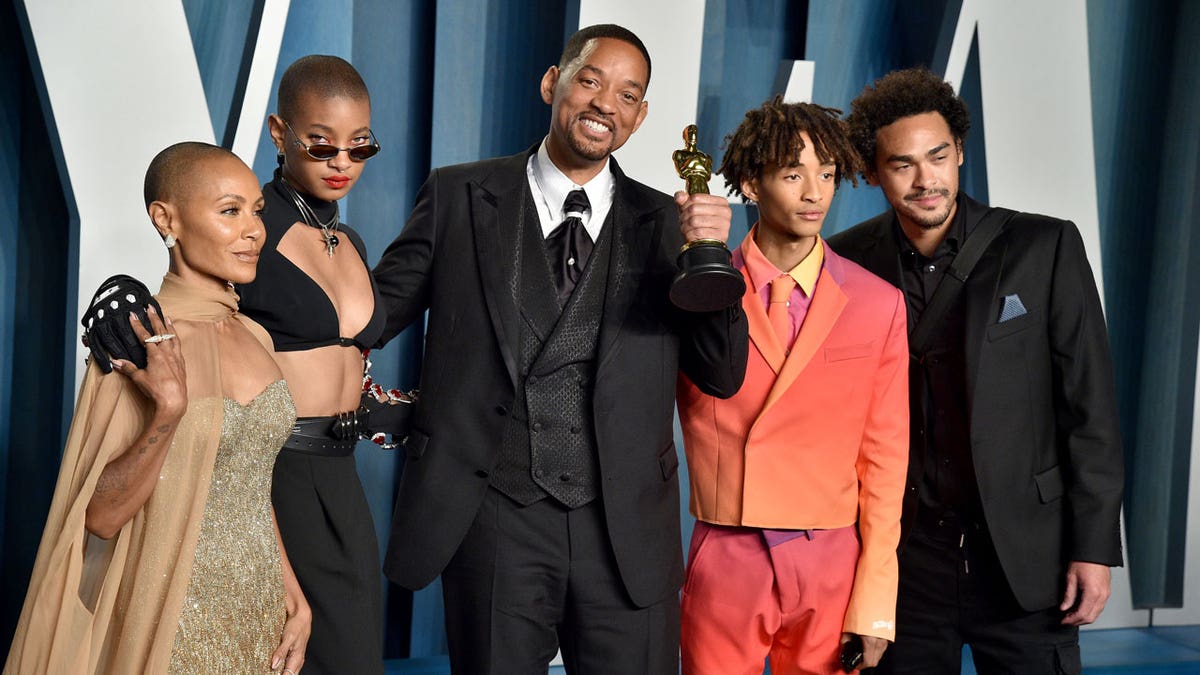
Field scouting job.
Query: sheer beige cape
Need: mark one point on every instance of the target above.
(97, 606)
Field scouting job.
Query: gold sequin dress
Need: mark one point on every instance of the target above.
(234, 612)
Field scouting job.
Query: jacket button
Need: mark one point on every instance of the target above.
(564, 477)
(481, 473)
(501, 410)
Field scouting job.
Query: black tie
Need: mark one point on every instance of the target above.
(570, 245)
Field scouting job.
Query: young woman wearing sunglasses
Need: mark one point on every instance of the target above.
(315, 297)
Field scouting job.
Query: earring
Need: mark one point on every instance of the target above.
(169, 241)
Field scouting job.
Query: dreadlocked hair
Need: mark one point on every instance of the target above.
(770, 136)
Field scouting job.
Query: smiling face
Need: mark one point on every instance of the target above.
(597, 102)
(916, 166)
(215, 220)
(340, 121)
(793, 200)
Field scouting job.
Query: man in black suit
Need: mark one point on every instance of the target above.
(1011, 514)
(540, 478)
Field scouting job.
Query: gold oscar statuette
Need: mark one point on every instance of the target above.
(706, 281)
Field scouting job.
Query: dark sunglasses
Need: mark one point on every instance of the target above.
(327, 151)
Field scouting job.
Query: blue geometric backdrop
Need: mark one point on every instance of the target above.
(456, 80)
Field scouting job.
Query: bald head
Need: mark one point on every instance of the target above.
(321, 76)
(174, 169)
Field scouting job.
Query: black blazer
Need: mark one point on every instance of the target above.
(1041, 399)
(456, 257)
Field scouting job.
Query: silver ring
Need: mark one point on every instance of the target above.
(155, 339)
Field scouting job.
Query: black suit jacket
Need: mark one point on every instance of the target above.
(1041, 400)
(456, 257)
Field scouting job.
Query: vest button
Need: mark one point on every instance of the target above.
(538, 473)
(531, 379)
(575, 429)
(537, 426)
(564, 477)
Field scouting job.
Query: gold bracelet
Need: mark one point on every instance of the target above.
(702, 242)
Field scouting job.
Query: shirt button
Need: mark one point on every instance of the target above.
(933, 268)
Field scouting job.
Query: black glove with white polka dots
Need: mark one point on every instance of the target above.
(106, 329)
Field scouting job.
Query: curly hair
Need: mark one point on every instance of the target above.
(770, 136)
(903, 93)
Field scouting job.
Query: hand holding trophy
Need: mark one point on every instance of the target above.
(706, 281)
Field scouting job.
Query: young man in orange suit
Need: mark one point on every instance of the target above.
(797, 481)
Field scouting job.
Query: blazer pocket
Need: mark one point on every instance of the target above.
(1049, 484)
(416, 443)
(668, 462)
(847, 352)
(1006, 328)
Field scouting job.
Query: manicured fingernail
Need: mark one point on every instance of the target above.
(150, 308)
(275, 663)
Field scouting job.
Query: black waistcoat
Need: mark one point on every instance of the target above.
(549, 443)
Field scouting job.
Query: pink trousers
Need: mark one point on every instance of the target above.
(744, 602)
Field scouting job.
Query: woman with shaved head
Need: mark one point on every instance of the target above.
(320, 308)
(160, 552)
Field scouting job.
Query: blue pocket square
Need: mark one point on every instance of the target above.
(1012, 308)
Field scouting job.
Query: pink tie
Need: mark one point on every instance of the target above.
(777, 312)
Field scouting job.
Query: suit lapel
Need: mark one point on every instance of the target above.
(761, 333)
(979, 292)
(827, 304)
(882, 255)
(635, 238)
(497, 216)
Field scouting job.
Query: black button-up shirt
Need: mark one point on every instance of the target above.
(948, 487)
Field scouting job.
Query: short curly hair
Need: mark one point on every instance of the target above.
(903, 93)
(770, 136)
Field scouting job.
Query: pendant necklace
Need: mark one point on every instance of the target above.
(328, 228)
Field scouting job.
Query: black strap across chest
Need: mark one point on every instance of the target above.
(951, 285)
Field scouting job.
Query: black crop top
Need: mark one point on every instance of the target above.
(292, 307)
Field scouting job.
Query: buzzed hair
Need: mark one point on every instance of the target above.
(321, 75)
(903, 93)
(770, 136)
(577, 42)
(173, 166)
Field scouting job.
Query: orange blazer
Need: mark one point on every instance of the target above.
(818, 438)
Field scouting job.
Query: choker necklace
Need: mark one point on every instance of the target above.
(328, 228)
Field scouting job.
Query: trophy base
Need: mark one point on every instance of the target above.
(706, 282)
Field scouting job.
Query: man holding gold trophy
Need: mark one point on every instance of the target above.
(540, 473)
